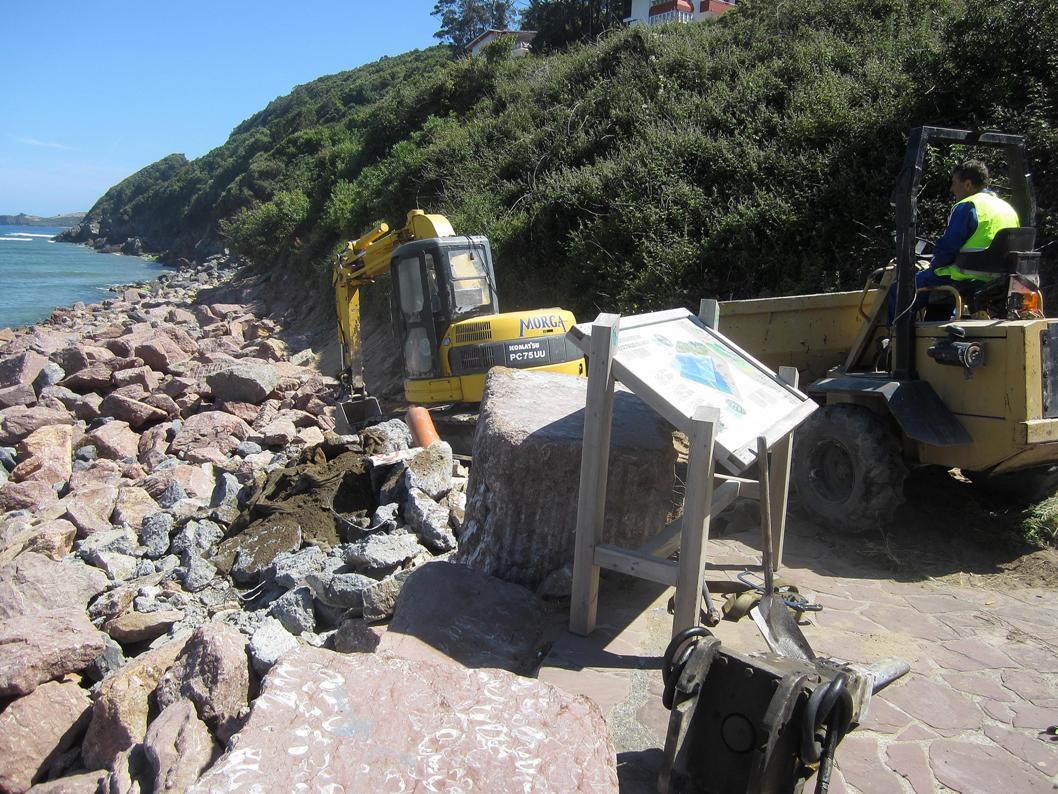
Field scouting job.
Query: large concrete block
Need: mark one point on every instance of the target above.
(521, 514)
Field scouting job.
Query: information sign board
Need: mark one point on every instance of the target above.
(675, 363)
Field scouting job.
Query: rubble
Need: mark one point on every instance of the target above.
(180, 519)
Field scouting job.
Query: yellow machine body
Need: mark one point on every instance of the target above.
(1008, 405)
(512, 339)
(446, 312)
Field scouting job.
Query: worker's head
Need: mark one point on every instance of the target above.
(969, 177)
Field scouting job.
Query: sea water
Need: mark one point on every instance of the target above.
(37, 275)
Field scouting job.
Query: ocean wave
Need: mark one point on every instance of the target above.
(29, 234)
(15, 240)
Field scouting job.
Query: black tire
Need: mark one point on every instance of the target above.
(1021, 488)
(847, 469)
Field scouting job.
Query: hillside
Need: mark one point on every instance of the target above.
(752, 155)
(22, 219)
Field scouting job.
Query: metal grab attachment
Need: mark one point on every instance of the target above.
(760, 724)
(739, 604)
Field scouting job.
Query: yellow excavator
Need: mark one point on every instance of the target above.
(446, 315)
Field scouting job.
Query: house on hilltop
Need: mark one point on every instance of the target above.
(519, 47)
(652, 12)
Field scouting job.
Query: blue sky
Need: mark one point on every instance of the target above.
(92, 92)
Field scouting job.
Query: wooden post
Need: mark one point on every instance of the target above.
(696, 512)
(781, 457)
(594, 466)
(709, 313)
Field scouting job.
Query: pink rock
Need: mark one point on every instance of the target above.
(204, 316)
(137, 414)
(53, 538)
(121, 705)
(93, 378)
(310, 436)
(222, 310)
(245, 411)
(114, 440)
(179, 747)
(178, 387)
(210, 429)
(38, 648)
(278, 433)
(269, 350)
(19, 394)
(193, 479)
(83, 783)
(100, 472)
(189, 404)
(20, 421)
(183, 316)
(219, 344)
(72, 359)
(140, 376)
(153, 446)
(134, 627)
(132, 506)
(161, 353)
(90, 508)
(87, 407)
(51, 442)
(21, 368)
(213, 672)
(182, 339)
(416, 722)
(25, 495)
(53, 446)
(38, 728)
(164, 403)
(310, 404)
(47, 472)
(125, 345)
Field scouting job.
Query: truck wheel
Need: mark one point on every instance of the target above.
(847, 469)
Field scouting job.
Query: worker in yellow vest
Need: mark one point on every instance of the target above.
(975, 219)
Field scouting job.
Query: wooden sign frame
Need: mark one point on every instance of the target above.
(707, 494)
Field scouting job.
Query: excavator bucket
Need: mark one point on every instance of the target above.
(355, 413)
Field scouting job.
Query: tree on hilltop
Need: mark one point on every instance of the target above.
(462, 21)
(560, 23)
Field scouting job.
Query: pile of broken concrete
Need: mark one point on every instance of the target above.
(185, 538)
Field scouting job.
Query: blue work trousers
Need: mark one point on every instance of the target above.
(923, 278)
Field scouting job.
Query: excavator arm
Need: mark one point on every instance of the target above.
(359, 264)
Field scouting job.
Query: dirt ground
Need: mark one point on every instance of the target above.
(950, 530)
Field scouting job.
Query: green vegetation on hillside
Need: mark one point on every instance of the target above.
(752, 155)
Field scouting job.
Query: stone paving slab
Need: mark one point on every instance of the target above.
(971, 717)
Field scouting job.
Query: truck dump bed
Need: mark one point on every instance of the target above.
(810, 332)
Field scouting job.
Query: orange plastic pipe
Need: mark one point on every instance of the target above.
(423, 433)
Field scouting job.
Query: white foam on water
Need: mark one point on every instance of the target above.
(15, 239)
(29, 234)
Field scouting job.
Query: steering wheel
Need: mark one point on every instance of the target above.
(923, 252)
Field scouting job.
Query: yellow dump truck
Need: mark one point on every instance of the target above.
(970, 383)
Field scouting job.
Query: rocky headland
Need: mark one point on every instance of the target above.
(179, 515)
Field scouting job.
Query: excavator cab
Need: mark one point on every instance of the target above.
(436, 283)
(445, 313)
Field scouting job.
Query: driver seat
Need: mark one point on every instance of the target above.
(1010, 252)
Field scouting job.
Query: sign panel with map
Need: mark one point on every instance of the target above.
(675, 363)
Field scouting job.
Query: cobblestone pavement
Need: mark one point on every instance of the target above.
(970, 717)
